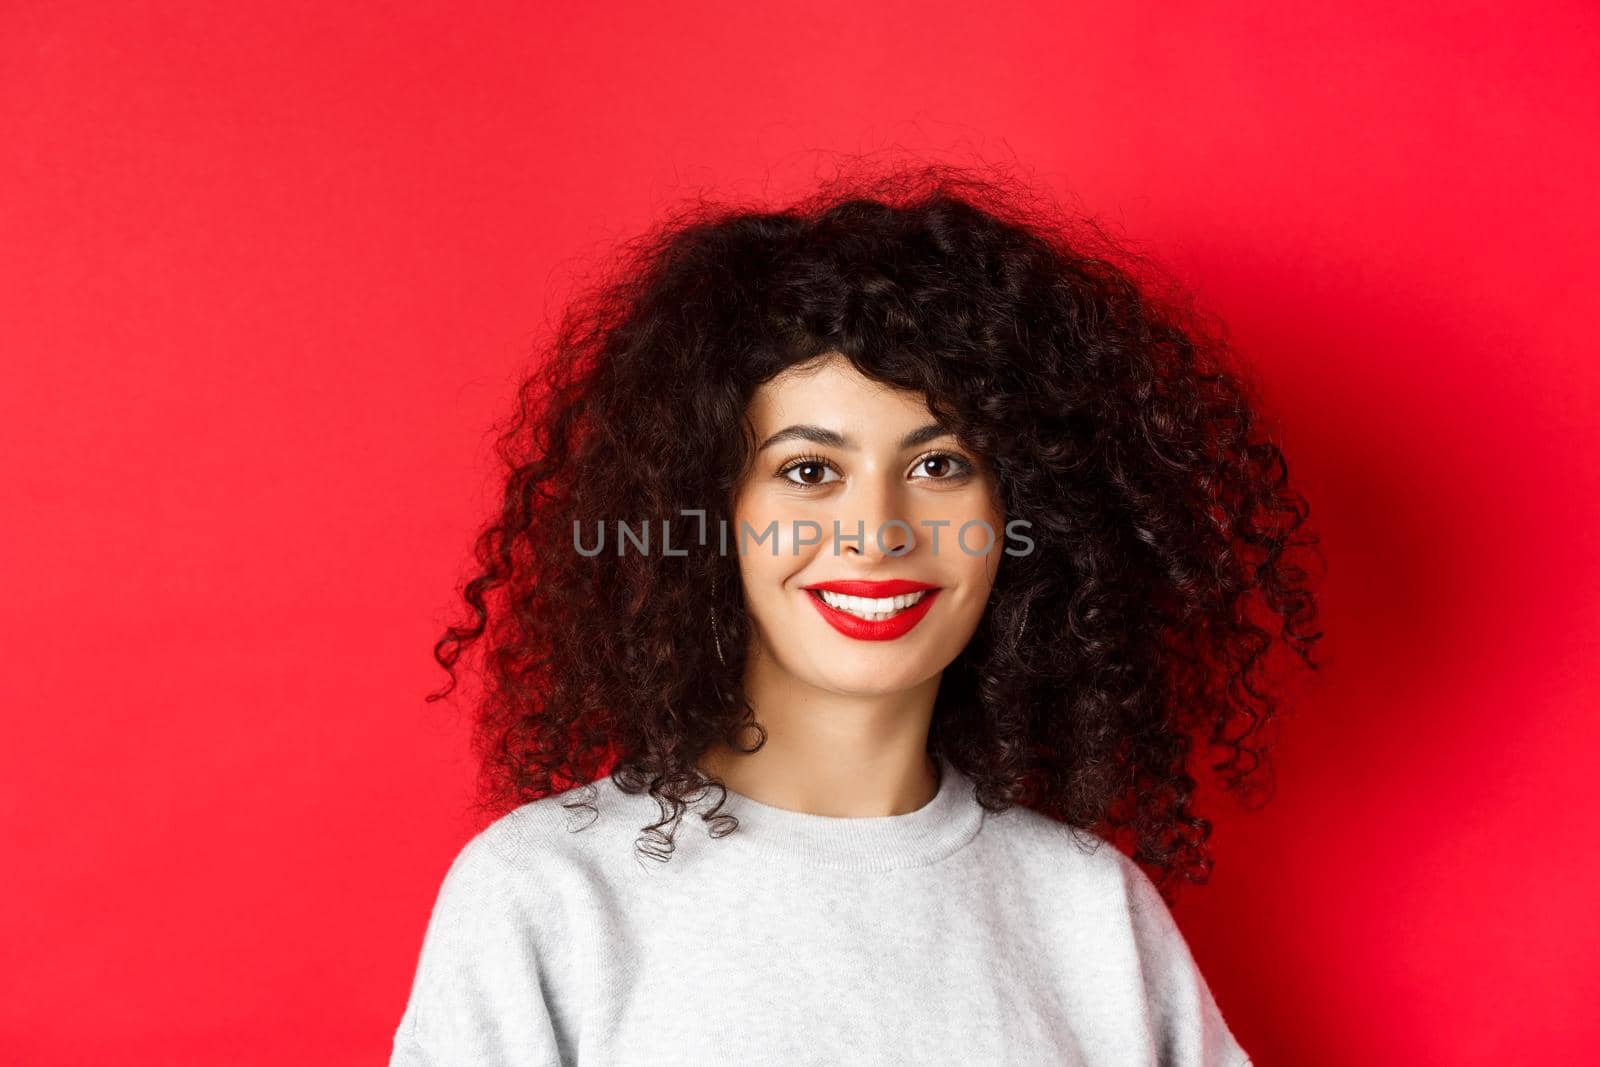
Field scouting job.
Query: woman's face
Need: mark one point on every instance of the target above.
(836, 447)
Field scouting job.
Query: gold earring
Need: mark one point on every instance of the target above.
(715, 639)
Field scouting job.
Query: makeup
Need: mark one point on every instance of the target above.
(872, 611)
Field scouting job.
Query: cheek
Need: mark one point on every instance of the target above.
(974, 518)
(769, 528)
(762, 538)
(977, 564)
(762, 573)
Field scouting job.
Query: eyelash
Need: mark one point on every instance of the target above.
(965, 466)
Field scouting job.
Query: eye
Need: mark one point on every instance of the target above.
(809, 468)
(952, 466)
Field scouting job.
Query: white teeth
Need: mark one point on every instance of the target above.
(873, 610)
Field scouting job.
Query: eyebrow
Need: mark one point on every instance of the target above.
(821, 436)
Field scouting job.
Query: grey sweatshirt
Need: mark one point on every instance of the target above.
(947, 935)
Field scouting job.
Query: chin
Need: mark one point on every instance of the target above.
(867, 681)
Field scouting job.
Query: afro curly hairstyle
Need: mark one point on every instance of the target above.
(1161, 514)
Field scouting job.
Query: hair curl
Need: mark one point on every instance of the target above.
(1160, 513)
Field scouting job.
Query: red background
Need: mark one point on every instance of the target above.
(271, 270)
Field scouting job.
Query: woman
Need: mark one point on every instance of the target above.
(905, 545)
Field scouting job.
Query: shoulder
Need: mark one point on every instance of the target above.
(1102, 883)
(1048, 848)
(1113, 908)
(584, 829)
(535, 868)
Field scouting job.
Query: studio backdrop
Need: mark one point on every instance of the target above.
(270, 272)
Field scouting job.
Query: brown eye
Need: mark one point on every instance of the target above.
(943, 466)
(813, 472)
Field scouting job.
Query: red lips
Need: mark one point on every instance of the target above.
(897, 625)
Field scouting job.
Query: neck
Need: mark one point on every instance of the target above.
(829, 753)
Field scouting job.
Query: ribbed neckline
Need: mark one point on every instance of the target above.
(872, 843)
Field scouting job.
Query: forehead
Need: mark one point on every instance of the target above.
(830, 386)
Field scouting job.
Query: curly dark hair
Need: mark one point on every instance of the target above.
(1160, 512)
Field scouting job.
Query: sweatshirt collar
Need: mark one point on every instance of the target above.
(873, 843)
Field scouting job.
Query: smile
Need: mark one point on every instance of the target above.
(892, 613)
(864, 608)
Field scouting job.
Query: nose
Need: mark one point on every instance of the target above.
(876, 517)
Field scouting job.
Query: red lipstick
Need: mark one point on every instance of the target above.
(854, 626)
